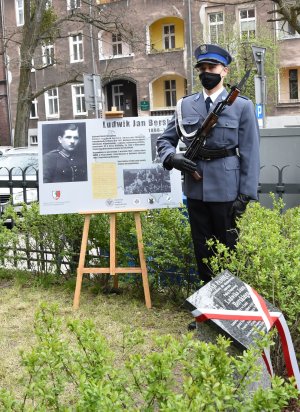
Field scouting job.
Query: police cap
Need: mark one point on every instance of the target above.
(213, 54)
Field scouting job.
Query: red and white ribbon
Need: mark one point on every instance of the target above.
(269, 318)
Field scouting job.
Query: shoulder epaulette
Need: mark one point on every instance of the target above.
(188, 95)
(244, 97)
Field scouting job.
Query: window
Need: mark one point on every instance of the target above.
(76, 48)
(51, 103)
(170, 93)
(33, 140)
(286, 31)
(48, 54)
(78, 99)
(293, 83)
(20, 12)
(247, 23)
(118, 96)
(32, 65)
(116, 44)
(216, 27)
(73, 4)
(112, 46)
(169, 36)
(34, 109)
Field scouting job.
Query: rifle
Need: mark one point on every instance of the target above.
(210, 121)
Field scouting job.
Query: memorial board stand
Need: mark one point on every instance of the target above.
(112, 269)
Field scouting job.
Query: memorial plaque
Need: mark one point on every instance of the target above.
(228, 292)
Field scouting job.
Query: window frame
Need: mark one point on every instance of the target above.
(217, 24)
(34, 104)
(33, 140)
(78, 44)
(247, 20)
(81, 96)
(105, 47)
(46, 56)
(77, 6)
(19, 12)
(118, 95)
(51, 99)
(170, 93)
(169, 36)
(116, 43)
(294, 81)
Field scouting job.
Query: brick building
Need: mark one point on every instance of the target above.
(4, 95)
(145, 74)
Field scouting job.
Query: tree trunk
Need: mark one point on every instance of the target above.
(23, 108)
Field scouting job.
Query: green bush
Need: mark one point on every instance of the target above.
(267, 256)
(170, 253)
(54, 242)
(72, 368)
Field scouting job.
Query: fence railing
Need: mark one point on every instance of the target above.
(279, 187)
(10, 182)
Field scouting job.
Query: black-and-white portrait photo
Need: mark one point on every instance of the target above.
(64, 152)
(151, 180)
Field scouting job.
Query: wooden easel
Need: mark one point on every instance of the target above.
(112, 269)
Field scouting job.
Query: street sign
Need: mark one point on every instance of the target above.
(259, 111)
(144, 105)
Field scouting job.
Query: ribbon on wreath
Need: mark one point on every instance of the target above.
(270, 319)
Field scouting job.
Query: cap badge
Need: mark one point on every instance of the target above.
(203, 49)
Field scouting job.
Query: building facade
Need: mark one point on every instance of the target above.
(5, 125)
(143, 70)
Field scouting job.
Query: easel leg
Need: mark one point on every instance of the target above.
(138, 225)
(112, 258)
(80, 268)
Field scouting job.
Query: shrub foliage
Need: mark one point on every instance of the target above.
(72, 368)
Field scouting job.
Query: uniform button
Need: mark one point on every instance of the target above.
(226, 124)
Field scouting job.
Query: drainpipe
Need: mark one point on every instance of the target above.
(93, 67)
(191, 46)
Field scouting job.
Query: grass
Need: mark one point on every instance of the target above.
(21, 294)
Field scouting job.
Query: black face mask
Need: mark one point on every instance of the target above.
(209, 80)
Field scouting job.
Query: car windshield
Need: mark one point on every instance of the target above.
(18, 161)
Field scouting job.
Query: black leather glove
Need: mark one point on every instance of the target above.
(179, 162)
(239, 206)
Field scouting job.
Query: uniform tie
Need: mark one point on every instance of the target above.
(208, 101)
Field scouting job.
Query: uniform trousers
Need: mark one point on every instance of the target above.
(210, 220)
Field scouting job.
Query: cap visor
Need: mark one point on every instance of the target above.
(209, 62)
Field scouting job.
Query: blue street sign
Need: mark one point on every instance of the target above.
(259, 111)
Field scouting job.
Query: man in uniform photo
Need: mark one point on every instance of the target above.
(64, 164)
(229, 179)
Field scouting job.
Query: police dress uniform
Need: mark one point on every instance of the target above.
(210, 200)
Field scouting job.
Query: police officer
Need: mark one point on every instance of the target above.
(63, 163)
(229, 180)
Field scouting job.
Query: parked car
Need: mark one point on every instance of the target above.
(4, 149)
(18, 174)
